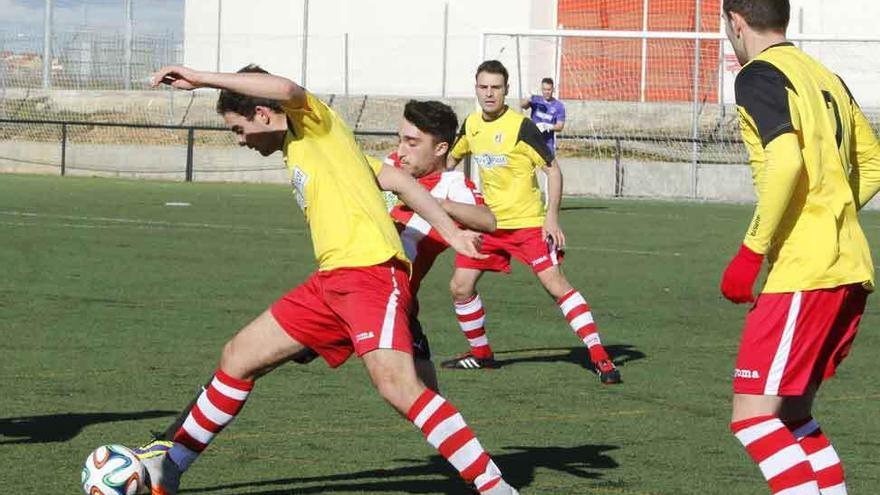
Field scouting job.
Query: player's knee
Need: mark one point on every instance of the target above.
(228, 355)
(555, 282)
(398, 390)
(461, 289)
(233, 362)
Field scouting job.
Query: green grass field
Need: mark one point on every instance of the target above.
(114, 307)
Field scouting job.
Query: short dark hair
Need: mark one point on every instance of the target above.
(244, 105)
(492, 67)
(548, 80)
(434, 118)
(761, 15)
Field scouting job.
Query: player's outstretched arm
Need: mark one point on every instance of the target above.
(246, 83)
(420, 200)
(477, 217)
(554, 200)
(864, 178)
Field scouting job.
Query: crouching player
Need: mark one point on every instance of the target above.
(358, 300)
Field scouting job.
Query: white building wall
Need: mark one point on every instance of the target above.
(395, 46)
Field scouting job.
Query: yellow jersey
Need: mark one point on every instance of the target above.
(336, 188)
(506, 151)
(815, 161)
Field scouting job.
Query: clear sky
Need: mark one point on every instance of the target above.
(25, 17)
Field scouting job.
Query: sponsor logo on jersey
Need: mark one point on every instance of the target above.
(299, 181)
(746, 374)
(488, 160)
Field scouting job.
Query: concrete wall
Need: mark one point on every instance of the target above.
(583, 177)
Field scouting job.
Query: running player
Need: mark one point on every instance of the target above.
(507, 148)
(357, 301)
(815, 162)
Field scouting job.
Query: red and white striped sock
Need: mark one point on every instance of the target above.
(782, 461)
(822, 456)
(215, 408)
(445, 429)
(472, 320)
(580, 317)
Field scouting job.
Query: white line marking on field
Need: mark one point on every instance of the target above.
(135, 223)
(621, 251)
(162, 224)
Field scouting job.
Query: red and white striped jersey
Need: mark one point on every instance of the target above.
(421, 242)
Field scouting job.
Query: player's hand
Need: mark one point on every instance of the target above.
(177, 76)
(468, 243)
(552, 231)
(740, 275)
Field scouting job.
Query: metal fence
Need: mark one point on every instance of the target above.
(84, 60)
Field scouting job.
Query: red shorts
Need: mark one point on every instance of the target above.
(792, 340)
(337, 312)
(526, 245)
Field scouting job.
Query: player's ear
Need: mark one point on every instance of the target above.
(263, 114)
(737, 22)
(441, 148)
(506, 89)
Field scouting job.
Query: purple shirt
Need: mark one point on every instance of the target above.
(549, 112)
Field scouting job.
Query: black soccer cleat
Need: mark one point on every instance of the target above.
(608, 373)
(468, 361)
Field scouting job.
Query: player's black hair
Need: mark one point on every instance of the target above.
(547, 80)
(434, 118)
(761, 15)
(493, 67)
(244, 105)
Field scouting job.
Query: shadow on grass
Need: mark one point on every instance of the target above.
(62, 427)
(518, 463)
(620, 354)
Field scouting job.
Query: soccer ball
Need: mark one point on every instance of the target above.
(112, 470)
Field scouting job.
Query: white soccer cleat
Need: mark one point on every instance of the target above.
(163, 476)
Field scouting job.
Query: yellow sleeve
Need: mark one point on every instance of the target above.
(775, 183)
(314, 118)
(375, 164)
(864, 178)
(462, 146)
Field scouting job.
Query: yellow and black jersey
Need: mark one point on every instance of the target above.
(507, 151)
(815, 161)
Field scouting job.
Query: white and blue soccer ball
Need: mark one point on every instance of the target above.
(112, 470)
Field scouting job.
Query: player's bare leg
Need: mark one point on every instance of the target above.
(394, 376)
(427, 373)
(754, 414)
(255, 350)
(580, 317)
(471, 319)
